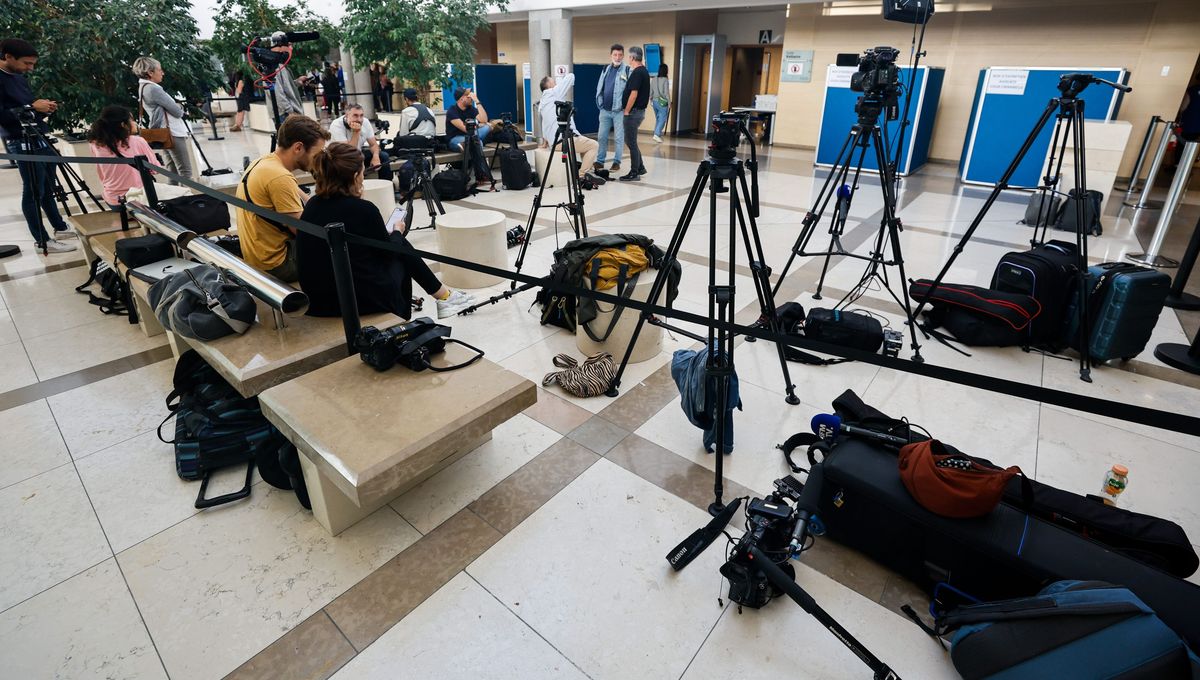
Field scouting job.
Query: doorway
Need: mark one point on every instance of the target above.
(701, 82)
(752, 70)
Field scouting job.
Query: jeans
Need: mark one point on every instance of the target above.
(481, 132)
(37, 192)
(385, 163)
(614, 120)
(482, 171)
(633, 121)
(660, 118)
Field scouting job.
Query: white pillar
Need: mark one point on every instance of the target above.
(551, 42)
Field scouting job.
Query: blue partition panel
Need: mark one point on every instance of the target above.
(528, 108)
(838, 117)
(587, 114)
(496, 85)
(1000, 121)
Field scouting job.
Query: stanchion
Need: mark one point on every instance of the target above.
(1144, 200)
(1141, 159)
(343, 280)
(1177, 298)
(1183, 171)
(1179, 355)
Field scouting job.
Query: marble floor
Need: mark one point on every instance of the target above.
(539, 554)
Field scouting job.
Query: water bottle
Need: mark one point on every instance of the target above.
(1115, 481)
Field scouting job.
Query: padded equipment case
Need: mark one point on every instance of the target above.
(1046, 274)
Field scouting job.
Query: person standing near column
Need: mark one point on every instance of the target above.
(637, 98)
(660, 99)
(163, 112)
(610, 90)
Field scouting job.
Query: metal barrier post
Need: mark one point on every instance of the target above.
(1182, 172)
(143, 169)
(1141, 159)
(1177, 298)
(1179, 355)
(344, 280)
(1144, 200)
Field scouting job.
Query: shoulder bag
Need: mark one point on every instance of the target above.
(158, 138)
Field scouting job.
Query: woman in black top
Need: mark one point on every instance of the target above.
(382, 279)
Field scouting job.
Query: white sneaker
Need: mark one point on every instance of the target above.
(658, 139)
(53, 246)
(454, 304)
(65, 233)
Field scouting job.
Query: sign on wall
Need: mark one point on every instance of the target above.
(653, 54)
(1007, 81)
(764, 37)
(797, 66)
(560, 70)
(839, 76)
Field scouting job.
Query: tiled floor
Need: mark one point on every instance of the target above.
(540, 554)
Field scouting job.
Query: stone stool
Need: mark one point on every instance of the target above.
(649, 343)
(558, 174)
(474, 235)
(259, 118)
(382, 193)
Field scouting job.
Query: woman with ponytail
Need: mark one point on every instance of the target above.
(111, 136)
(382, 279)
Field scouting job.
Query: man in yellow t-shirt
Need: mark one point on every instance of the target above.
(269, 183)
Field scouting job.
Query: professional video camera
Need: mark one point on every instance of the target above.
(506, 118)
(878, 78)
(727, 130)
(410, 344)
(25, 115)
(771, 524)
(564, 110)
(265, 58)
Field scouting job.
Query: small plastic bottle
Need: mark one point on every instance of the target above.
(1115, 481)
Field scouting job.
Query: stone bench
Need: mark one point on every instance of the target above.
(365, 437)
(93, 224)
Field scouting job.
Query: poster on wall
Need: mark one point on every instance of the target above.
(653, 57)
(839, 76)
(1007, 81)
(797, 66)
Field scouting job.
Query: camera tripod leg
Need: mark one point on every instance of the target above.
(1081, 236)
(893, 227)
(842, 209)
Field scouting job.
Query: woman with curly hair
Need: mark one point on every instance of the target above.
(111, 136)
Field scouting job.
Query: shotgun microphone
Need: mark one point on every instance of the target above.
(830, 425)
(682, 554)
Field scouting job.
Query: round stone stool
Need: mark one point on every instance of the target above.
(558, 174)
(474, 235)
(382, 193)
(649, 343)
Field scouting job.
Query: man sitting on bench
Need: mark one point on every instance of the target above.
(467, 110)
(354, 129)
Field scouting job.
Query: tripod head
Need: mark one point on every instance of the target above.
(1072, 84)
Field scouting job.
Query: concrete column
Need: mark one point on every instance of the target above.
(358, 80)
(539, 62)
(551, 42)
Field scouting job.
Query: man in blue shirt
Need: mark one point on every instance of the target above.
(610, 99)
(37, 179)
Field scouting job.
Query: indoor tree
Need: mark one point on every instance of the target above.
(87, 48)
(240, 21)
(417, 40)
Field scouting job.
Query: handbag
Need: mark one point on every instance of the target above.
(589, 379)
(198, 213)
(844, 328)
(158, 138)
(200, 303)
(953, 484)
(136, 251)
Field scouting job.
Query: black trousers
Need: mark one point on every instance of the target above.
(415, 266)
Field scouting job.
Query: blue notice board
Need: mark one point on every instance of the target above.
(496, 85)
(1008, 102)
(653, 54)
(587, 114)
(838, 117)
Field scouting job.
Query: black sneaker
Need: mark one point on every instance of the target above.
(642, 170)
(602, 174)
(596, 179)
(631, 177)
(587, 184)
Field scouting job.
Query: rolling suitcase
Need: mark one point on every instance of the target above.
(1046, 274)
(1124, 302)
(1005, 554)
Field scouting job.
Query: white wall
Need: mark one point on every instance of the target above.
(741, 27)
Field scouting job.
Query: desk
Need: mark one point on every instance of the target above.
(766, 117)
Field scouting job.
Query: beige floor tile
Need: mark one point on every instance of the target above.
(508, 503)
(32, 444)
(49, 533)
(53, 315)
(460, 632)
(50, 285)
(557, 413)
(255, 570)
(15, 368)
(8, 329)
(85, 627)
(113, 410)
(87, 345)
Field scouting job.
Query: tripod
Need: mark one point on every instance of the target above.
(721, 172)
(863, 135)
(208, 171)
(423, 182)
(566, 137)
(1068, 124)
(32, 139)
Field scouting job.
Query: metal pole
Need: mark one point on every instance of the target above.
(1180, 356)
(1182, 172)
(1141, 159)
(143, 169)
(1144, 200)
(1177, 298)
(344, 280)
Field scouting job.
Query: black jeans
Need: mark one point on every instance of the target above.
(37, 193)
(633, 121)
(415, 266)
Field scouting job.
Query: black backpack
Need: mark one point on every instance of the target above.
(114, 292)
(451, 184)
(216, 427)
(515, 172)
(1091, 213)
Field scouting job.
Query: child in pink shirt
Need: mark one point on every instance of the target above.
(112, 136)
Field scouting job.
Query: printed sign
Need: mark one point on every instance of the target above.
(1007, 81)
(797, 66)
(525, 71)
(560, 70)
(764, 37)
(839, 76)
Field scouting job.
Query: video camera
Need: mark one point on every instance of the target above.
(410, 344)
(260, 50)
(563, 110)
(25, 115)
(878, 78)
(727, 130)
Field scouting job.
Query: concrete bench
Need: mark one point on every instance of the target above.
(444, 157)
(92, 224)
(366, 437)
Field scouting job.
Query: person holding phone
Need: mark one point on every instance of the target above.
(354, 129)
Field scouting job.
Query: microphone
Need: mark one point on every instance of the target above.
(829, 425)
(806, 507)
(682, 554)
(843, 205)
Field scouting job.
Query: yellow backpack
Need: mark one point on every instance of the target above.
(608, 264)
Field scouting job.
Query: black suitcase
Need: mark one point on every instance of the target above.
(1005, 554)
(1043, 209)
(1067, 218)
(1047, 274)
(515, 172)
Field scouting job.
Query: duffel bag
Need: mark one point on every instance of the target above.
(976, 316)
(200, 303)
(451, 184)
(844, 328)
(198, 213)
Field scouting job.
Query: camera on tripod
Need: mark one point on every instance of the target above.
(409, 344)
(563, 110)
(25, 115)
(878, 78)
(260, 48)
(727, 130)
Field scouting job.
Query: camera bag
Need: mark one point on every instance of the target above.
(1068, 219)
(198, 213)
(1047, 274)
(976, 316)
(844, 328)
(1043, 209)
(790, 318)
(515, 172)
(136, 251)
(1087, 629)
(451, 184)
(114, 292)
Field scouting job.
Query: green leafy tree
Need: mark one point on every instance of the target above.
(240, 21)
(87, 48)
(417, 39)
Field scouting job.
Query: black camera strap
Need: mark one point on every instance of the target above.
(423, 114)
(246, 188)
(436, 332)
